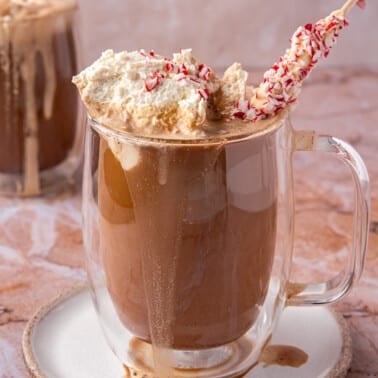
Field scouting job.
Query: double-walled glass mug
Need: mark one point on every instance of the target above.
(189, 244)
(41, 124)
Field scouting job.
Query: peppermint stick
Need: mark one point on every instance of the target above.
(282, 82)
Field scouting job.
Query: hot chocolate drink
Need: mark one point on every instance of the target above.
(38, 103)
(187, 188)
(187, 240)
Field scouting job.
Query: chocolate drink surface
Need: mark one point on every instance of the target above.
(187, 240)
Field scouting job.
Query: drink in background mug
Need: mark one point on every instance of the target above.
(41, 123)
(189, 243)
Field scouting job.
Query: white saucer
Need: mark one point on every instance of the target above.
(64, 340)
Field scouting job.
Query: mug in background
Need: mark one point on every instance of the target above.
(189, 244)
(40, 118)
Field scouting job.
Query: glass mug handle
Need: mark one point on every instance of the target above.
(337, 287)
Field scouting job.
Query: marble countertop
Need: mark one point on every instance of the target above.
(41, 250)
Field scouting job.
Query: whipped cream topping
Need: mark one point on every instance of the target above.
(22, 9)
(147, 93)
(233, 88)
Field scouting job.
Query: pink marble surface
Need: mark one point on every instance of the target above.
(41, 249)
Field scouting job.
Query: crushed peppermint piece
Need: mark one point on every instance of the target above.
(204, 93)
(194, 79)
(152, 81)
(169, 67)
(183, 69)
(204, 72)
(240, 115)
(181, 76)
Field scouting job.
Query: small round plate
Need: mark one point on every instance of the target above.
(64, 340)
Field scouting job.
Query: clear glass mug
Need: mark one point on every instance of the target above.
(41, 121)
(189, 244)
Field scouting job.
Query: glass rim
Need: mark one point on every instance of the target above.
(7, 20)
(210, 141)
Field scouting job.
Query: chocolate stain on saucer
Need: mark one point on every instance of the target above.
(132, 373)
(283, 355)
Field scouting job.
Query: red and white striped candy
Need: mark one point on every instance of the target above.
(282, 82)
(152, 81)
